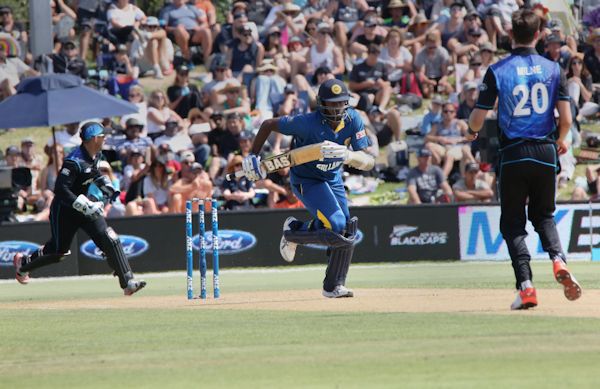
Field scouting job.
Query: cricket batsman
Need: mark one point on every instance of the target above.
(71, 209)
(318, 184)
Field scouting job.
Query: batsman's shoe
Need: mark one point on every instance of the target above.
(338, 292)
(287, 249)
(133, 286)
(22, 278)
(525, 299)
(564, 277)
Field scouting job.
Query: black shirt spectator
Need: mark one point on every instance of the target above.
(592, 63)
(182, 95)
(68, 61)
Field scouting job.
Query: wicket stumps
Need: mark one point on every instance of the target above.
(202, 246)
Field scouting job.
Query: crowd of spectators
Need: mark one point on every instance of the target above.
(263, 59)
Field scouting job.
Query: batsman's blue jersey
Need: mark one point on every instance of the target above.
(312, 128)
(528, 87)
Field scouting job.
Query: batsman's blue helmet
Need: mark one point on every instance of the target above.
(333, 91)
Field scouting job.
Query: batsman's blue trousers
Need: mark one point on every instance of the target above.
(326, 202)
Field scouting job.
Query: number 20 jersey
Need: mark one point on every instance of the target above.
(527, 86)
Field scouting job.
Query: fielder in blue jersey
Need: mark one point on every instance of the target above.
(318, 184)
(528, 88)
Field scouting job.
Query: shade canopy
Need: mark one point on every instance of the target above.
(56, 99)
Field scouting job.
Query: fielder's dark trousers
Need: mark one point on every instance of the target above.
(528, 181)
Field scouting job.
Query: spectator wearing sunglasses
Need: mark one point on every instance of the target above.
(67, 60)
(158, 50)
(447, 141)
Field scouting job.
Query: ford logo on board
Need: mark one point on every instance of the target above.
(132, 246)
(359, 238)
(9, 248)
(230, 241)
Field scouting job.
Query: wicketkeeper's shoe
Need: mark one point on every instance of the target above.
(568, 281)
(525, 299)
(133, 286)
(338, 292)
(287, 249)
(22, 278)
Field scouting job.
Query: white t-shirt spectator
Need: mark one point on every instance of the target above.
(179, 142)
(127, 175)
(394, 64)
(13, 69)
(125, 17)
(66, 140)
(161, 195)
(433, 64)
(155, 127)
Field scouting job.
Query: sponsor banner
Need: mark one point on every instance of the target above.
(251, 238)
(9, 248)
(480, 237)
(230, 242)
(133, 246)
(26, 238)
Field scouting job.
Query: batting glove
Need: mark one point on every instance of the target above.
(252, 169)
(333, 151)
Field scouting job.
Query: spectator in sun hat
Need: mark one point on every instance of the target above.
(288, 17)
(554, 51)
(400, 13)
(133, 139)
(175, 136)
(235, 101)
(267, 89)
(488, 55)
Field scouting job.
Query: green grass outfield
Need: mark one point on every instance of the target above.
(196, 347)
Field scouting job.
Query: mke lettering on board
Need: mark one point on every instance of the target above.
(481, 223)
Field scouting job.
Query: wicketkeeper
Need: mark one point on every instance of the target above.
(71, 210)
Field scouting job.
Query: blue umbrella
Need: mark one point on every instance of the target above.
(54, 99)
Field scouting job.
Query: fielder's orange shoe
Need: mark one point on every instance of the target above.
(564, 277)
(525, 299)
(22, 278)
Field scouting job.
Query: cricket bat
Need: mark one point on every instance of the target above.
(291, 158)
